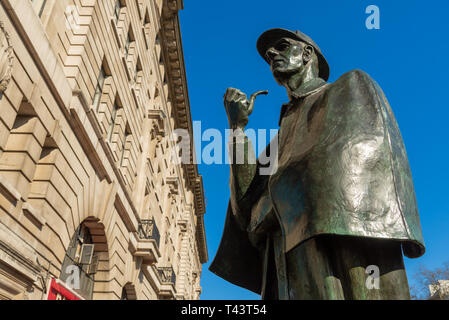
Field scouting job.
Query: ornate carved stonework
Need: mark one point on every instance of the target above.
(158, 126)
(173, 188)
(6, 59)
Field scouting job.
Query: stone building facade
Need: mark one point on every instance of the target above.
(439, 290)
(92, 205)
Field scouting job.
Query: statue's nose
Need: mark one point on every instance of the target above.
(271, 53)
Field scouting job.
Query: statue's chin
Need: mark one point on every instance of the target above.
(281, 76)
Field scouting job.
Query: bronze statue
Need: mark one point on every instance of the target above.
(342, 199)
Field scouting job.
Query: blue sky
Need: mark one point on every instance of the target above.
(408, 57)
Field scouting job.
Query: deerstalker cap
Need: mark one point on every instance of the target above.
(270, 37)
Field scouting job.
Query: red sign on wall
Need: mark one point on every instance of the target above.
(59, 291)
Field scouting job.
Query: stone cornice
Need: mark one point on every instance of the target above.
(173, 55)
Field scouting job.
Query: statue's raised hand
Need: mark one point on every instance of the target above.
(238, 107)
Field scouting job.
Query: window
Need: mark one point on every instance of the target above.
(39, 6)
(127, 44)
(129, 40)
(99, 89)
(80, 254)
(146, 20)
(115, 109)
(124, 294)
(117, 10)
(129, 291)
(138, 70)
(125, 139)
(105, 72)
(146, 29)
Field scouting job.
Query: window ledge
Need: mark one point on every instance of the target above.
(8, 190)
(35, 214)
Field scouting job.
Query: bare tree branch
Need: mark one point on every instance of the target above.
(425, 278)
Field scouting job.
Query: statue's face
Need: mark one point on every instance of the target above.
(286, 57)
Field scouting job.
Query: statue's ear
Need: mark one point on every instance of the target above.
(308, 52)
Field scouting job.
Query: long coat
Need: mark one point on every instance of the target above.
(343, 170)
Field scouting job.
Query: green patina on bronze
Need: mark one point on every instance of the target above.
(342, 197)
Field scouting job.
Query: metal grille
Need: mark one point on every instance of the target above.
(167, 275)
(148, 230)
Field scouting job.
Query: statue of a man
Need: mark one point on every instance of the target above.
(335, 217)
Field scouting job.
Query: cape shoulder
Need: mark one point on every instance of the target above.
(354, 77)
(356, 84)
(364, 102)
(356, 95)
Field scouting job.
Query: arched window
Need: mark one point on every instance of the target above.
(128, 292)
(124, 294)
(80, 259)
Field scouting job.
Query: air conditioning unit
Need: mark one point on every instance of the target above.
(86, 254)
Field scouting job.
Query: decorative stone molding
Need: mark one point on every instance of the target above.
(158, 126)
(183, 224)
(200, 205)
(19, 255)
(173, 184)
(164, 290)
(147, 249)
(173, 56)
(6, 59)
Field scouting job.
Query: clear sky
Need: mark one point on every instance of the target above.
(408, 57)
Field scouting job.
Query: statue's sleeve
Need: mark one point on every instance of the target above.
(243, 170)
(238, 260)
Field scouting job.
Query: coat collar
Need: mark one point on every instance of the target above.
(303, 91)
(308, 88)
